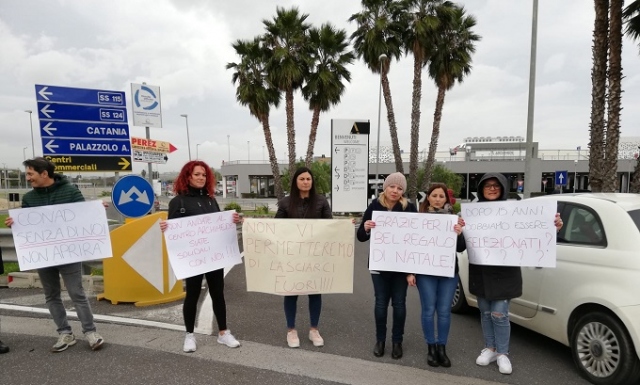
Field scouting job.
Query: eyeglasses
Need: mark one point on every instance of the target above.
(492, 186)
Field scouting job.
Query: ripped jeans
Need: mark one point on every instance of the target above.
(496, 328)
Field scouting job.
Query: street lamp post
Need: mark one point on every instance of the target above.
(575, 175)
(186, 120)
(228, 150)
(24, 156)
(381, 59)
(33, 146)
(528, 160)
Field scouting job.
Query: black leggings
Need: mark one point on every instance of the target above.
(215, 281)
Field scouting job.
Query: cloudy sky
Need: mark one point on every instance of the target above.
(182, 46)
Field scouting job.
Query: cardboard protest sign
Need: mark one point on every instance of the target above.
(413, 243)
(511, 233)
(60, 234)
(201, 243)
(298, 256)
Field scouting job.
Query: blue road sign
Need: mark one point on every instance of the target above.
(57, 94)
(133, 196)
(54, 111)
(73, 146)
(562, 178)
(51, 129)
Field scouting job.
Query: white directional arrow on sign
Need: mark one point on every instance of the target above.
(126, 197)
(561, 178)
(45, 110)
(44, 94)
(51, 147)
(48, 129)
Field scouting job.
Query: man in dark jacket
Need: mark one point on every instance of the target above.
(53, 189)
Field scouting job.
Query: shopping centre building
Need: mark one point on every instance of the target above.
(471, 160)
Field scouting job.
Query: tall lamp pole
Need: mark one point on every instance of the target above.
(381, 59)
(528, 173)
(575, 175)
(24, 156)
(228, 150)
(186, 121)
(33, 146)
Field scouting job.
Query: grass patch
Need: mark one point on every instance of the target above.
(11, 267)
(97, 271)
(2, 218)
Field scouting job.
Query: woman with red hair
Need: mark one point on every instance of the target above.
(194, 195)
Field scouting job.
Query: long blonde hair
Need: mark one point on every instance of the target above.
(383, 201)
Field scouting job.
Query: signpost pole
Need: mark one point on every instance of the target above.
(150, 165)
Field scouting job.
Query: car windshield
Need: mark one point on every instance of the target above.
(635, 215)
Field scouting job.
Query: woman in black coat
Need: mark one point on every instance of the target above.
(303, 202)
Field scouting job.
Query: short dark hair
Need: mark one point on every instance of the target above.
(40, 165)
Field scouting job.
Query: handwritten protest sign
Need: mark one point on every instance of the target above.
(511, 233)
(298, 256)
(202, 243)
(60, 234)
(413, 243)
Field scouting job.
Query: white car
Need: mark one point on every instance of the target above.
(591, 300)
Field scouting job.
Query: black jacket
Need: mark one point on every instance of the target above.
(495, 282)
(194, 202)
(377, 206)
(322, 209)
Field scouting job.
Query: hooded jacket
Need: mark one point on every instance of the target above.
(61, 191)
(194, 202)
(495, 282)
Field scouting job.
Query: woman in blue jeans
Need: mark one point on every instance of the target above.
(436, 293)
(303, 202)
(495, 286)
(388, 285)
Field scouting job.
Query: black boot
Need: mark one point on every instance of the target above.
(443, 360)
(3, 348)
(378, 350)
(432, 356)
(396, 352)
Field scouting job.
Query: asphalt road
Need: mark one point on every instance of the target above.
(258, 321)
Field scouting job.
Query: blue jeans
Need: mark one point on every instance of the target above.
(496, 328)
(72, 277)
(290, 307)
(390, 286)
(436, 295)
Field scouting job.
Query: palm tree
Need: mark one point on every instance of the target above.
(631, 16)
(422, 19)
(379, 32)
(256, 93)
(598, 89)
(610, 179)
(450, 62)
(329, 55)
(287, 40)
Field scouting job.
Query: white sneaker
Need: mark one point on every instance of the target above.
(314, 336)
(228, 339)
(95, 340)
(292, 339)
(189, 343)
(486, 357)
(504, 364)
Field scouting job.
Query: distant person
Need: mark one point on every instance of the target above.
(3, 348)
(194, 195)
(496, 286)
(303, 203)
(388, 285)
(53, 189)
(436, 292)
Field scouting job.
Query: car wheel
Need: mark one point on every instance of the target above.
(603, 351)
(459, 304)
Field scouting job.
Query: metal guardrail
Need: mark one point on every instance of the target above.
(6, 244)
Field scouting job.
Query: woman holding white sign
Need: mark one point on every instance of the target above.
(388, 285)
(194, 190)
(303, 202)
(436, 293)
(495, 287)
